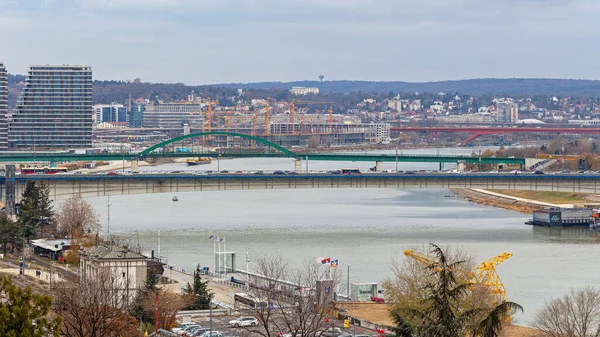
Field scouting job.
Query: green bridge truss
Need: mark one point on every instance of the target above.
(151, 153)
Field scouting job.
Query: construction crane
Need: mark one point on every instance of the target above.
(267, 122)
(209, 119)
(485, 273)
(292, 105)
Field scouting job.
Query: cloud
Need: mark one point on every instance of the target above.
(212, 41)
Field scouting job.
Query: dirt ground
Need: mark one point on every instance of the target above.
(379, 314)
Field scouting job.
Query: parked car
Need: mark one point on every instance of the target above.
(187, 329)
(181, 327)
(259, 172)
(112, 173)
(197, 332)
(538, 172)
(515, 172)
(211, 334)
(333, 332)
(564, 172)
(243, 321)
(278, 172)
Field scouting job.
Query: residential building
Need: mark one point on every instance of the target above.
(507, 112)
(173, 115)
(54, 110)
(395, 104)
(128, 269)
(110, 113)
(304, 90)
(3, 108)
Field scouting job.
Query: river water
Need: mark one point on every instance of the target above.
(365, 229)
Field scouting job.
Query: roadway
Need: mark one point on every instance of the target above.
(69, 157)
(99, 185)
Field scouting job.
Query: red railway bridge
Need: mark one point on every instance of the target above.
(480, 131)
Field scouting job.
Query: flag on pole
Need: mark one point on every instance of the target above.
(222, 239)
(212, 237)
(334, 263)
(325, 260)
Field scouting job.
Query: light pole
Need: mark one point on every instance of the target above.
(396, 158)
(219, 163)
(247, 269)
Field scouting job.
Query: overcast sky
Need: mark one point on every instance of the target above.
(217, 41)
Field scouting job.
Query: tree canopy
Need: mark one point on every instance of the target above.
(25, 313)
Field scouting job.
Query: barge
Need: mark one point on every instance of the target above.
(562, 217)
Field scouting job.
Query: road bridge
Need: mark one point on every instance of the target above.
(168, 149)
(63, 186)
(477, 132)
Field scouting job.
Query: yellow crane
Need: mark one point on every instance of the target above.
(209, 119)
(485, 273)
(292, 105)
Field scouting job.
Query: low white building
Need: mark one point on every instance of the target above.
(304, 90)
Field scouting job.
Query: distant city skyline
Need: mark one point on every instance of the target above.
(224, 41)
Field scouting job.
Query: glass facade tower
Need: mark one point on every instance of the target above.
(3, 107)
(54, 110)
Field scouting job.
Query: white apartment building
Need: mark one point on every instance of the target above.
(304, 90)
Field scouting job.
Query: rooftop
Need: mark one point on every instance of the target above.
(112, 253)
(54, 245)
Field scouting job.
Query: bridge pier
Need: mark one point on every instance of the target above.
(460, 166)
(298, 165)
(378, 166)
(134, 165)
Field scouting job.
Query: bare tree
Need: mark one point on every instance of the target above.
(76, 218)
(576, 314)
(166, 304)
(294, 300)
(94, 307)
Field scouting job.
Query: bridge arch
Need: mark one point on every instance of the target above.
(217, 133)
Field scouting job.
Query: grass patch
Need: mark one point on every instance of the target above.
(549, 197)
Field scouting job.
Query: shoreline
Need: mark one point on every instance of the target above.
(497, 200)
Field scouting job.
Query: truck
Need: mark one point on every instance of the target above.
(182, 150)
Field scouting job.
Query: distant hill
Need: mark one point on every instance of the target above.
(119, 91)
(476, 87)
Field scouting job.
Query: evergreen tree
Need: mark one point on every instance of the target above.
(440, 314)
(138, 308)
(29, 215)
(10, 232)
(45, 209)
(202, 296)
(25, 313)
(36, 214)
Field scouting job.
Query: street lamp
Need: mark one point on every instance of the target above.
(219, 163)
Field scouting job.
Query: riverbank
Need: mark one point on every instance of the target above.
(499, 201)
(527, 201)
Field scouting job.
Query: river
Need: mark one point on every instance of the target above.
(365, 229)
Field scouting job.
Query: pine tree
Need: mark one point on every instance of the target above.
(25, 313)
(29, 215)
(138, 309)
(202, 294)
(10, 232)
(45, 209)
(36, 214)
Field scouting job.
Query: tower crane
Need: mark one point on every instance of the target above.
(209, 119)
(485, 273)
(293, 107)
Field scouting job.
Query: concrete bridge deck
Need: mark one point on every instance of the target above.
(63, 186)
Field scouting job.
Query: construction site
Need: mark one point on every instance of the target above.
(284, 123)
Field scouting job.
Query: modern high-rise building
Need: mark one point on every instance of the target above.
(110, 113)
(54, 110)
(3, 107)
(136, 115)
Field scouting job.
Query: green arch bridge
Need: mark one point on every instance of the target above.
(166, 149)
